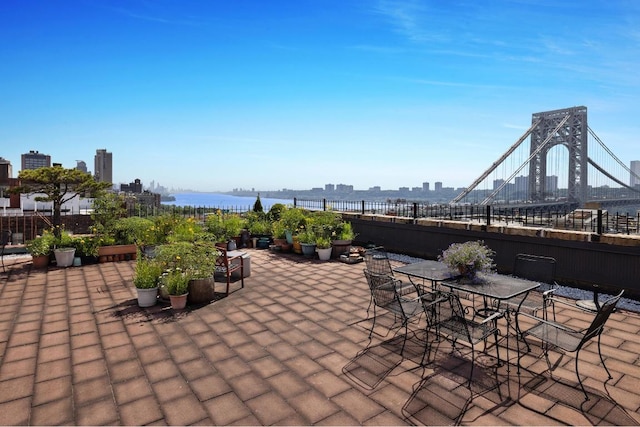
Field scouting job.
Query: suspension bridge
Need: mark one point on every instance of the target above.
(565, 163)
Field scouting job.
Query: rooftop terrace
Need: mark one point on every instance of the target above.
(292, 347)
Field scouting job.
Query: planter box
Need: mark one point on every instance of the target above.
(117, 253)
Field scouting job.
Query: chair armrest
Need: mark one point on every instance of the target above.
(547, 322)
(571, 304)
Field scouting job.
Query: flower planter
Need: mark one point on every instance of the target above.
(40, 261)
(64, 256)
(117, 253)
(324, 254)
(308, 249)
(147, 297)
(178, 302)
(201, 291)
(340, 247)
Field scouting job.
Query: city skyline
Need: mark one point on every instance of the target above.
(295, 95)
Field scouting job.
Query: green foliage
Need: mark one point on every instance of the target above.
(307, 236)
(257, 206)
(131, 230)
(276, 211)
(41, 245)
(472, 256)
(86, 245)
(186, 230)
(323, 242)
(196, 259)
(107, 209)
(293, 219)
(224, 226)
(147, 273)
(176, 282)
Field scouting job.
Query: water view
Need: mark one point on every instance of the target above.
(222, 200)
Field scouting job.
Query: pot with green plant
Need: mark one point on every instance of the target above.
(343, 237)
(307, 240)
(146, 277)
(468, 258)
(177, 285)
(40, 249)
(324, 248)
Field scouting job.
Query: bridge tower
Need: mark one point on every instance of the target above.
(570, 126)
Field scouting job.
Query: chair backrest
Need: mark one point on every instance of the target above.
(452, 314)
(601, 317)
(383, 289)
(377, 261)
(535, 267)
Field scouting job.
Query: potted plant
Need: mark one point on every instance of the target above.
(343, 236)
(63, 248)
(323, 247)
(468, 258)
(146, 277)
(307, 239)
(40, 249)
(177, 285)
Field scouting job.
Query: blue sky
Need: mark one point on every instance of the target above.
(213, 95)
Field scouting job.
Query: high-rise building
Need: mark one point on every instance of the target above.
(103, 166)
(81, 165)
(35, 159)
(635, 168)
(425, 186)
(438, 186)
(5, 171)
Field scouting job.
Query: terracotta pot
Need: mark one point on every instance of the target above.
(40, 261)
(178, 302)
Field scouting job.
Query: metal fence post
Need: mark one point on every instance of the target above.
(599, 230)
(488, 215)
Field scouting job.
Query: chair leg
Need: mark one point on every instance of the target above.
(602, 360)
(586, 396)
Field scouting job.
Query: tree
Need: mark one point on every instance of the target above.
(58, 185)
(257, 206)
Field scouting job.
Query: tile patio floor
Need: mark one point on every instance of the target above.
(292, 347)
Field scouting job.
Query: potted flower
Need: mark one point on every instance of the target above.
(40, 249)
(146, 277)
(323, 247)
(177, 285)
(307, 239)
(468, 258)
(343, 237)
(63, 249)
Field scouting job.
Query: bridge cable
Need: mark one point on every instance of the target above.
(535, 153)
(615, 158)
(495, 164)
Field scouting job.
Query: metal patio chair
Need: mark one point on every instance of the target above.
(385, 294)
(569, 339)
(538, 268)
(377, 262)
(453, 325)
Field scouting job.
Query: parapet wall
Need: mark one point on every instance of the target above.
(583, 259)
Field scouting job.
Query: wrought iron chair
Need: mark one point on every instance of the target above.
(385, 294)
(454, 326)
(377, 262)
(538, 268)
(569, 339)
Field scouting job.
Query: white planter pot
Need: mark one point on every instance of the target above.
(64, 256)
(147, 297)
(324, 254)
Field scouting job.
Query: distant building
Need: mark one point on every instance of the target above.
(438, 186)
(133, 187)
(425, 186)
(635, 168)
(81, 166)
(6, 171)
(103, 166)
(34, 160)
(329, 188)
(344, 188)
